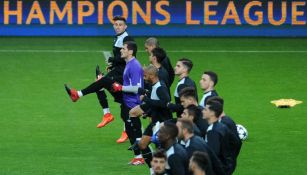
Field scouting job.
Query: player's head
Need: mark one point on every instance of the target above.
(129, 49)
(167, 133)
(150, 74)
(199, 163)
(158, 162)
(185, 126)
(187, 96)
(216, 98)
(192, 112)
(119, 24)
(183, 66)
(150, 44)
(212, 111)
(208, 80)
(158, 54)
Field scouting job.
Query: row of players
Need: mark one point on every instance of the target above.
(125, 82)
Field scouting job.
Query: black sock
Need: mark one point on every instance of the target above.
(147, 155)
(102, 97)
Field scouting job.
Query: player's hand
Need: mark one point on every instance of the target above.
(109, 67)
(110, 60)
(142, 97)
(116, 87)
(171, 106)
(99, 77)
(145, 99)
(142, 91)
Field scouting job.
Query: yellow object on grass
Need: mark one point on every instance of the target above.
(286, 103)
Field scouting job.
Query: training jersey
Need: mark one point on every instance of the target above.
(157, 103)
(206, 96)
(166, 63)
(201, 123)
(118, 44)
(133, 76)
(177, 160)
(218, 139)
(196, 143)
(164, 77)
(184, 82)
(235, 142)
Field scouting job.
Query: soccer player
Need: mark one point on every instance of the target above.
(195, 143)
(191, 113)
(199, 163)
(207, 84)
(133, 76)
(192, 110)
(158, 163)
(218, 134)
(156, 57)
(152, 43)
(154, 107)
(182, 70)
(116, 66)
(235, 142)
(176, 154)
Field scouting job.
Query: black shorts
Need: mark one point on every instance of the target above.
(124, 112)
(116, 75)
(145, 108)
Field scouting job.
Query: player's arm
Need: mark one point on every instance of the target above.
(136, 82)
(163, 95)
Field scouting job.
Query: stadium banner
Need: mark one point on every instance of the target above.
(282, 18)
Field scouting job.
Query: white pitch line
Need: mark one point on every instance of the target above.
(169, 51)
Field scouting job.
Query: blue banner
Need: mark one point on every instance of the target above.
(154, 18)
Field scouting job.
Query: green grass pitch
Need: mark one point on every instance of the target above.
(42, 132)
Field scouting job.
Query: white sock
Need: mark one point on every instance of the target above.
(139, 156)
(80, 94)
(106, 110)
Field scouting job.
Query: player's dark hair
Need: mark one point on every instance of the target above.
(159, 53)
(194, 111)
(187, 92)
(186, 124)
(119, 18)
(202, 160)
(131, 45)
(213, 76)
(171, 129)
(216, 107)
(160, 153)
(187, 63)
(216, 98)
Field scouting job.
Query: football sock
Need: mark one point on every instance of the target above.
(80, 94)
(147, 156)
(106, 110)
(102, 97)
(138, 156)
